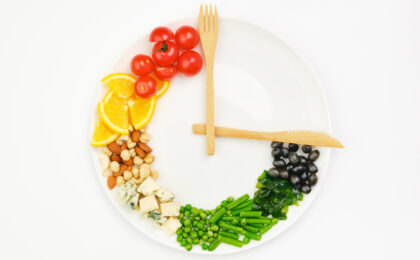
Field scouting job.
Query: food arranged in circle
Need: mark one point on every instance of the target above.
(127, 159)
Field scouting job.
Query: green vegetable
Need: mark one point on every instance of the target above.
(214, 228)
(274, 195)
(266, 228)
(238, 201)
(179, 238)
(237, 211)
(245, 204)
(188, 207)
(189, 240)
(183, 242)
(204, 246)
(231, 241)
(229, 218)
(193, 234)
(250, 214)
(196, 241)
(251, 229)
(213, 245)
(242, 222)
(253, 236)
(230, 199)
(258, 225)
(188, 247)
(227, 226)
(258, 221)
(229, 234)
(217, 215)
(246, 240)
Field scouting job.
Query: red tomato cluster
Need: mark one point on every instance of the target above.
(170, 54)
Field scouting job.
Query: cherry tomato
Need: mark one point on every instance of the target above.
(187, 37)
(145, 87)
(190, 63)
(165, 53)
(142, 65)
(165, 73)
(161, 33)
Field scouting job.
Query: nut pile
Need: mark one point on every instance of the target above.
(128, 158)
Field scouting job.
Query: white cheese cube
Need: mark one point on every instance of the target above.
(148, 203)
(134, 201)
(127, 191)
(164, 195)
(148, 186)
(170, 209)
(157, 217)
(171, 226)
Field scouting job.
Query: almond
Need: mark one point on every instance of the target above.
(116, 158)
(130, 168)
(114, 147)
(140, 152)
(145, 147)
(123, 168)
(129, 162)
(124, 146)
(135, 136)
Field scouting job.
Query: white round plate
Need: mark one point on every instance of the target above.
(261, 83)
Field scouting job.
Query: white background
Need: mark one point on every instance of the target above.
(366, 54)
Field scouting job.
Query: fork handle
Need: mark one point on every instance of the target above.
(210, 129)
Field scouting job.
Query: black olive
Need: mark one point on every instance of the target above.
(294, 158)
(298, 169)
(276, 145)
(312, 168)
(305, 189)
(289, 167)
(306, 148)
(273, 173)
(293, 147)
(284, 152)
(313, 179)
(279, 164)
(303, 160)
(284, 174)
(294, 180)
(276, 153)
(304, 176)
(313, 156)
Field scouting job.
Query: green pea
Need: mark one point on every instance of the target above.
(215, 235)
(195, 223)
(210, 233)
(188, 207)
(215, 228)
(207, 221)
(187, 223)
(200, 233)
(179, 231)
(189, 240)
(181, 215)
(197, 218)
(205, 238)
(211, 240)
(182, 209)
(213, 211)
(185, 235)
(187, 213)
(183, 242)
(179, 238)
(204, 246)
(196, 241)
(193, 234)
(200, 225)
(194, 211)
(182, 221)
(203, 215)
(208, 228)
(207, 212)
(188, 247)
(230, 199)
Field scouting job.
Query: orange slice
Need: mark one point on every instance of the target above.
(162, 86)
(141, 110)
(112, 98)
(115, 116)
(122, 84)
(102, 135)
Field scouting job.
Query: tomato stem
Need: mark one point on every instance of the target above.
(164, 47)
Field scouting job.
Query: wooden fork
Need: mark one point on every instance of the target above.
(208, 27)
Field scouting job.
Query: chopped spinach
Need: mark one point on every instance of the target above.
(275, 195)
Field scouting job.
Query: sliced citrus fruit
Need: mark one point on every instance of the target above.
(112, 98)
(141, 110)
(102, 135)
(122, 84)
(162, 86)
(115, 116)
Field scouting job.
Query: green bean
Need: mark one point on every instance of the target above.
(214, 244)
(258, 225)
(245, 204)
(236, 212)
(223, 203)
(238, 201)
(253, 236)
(227, 226)
(230, 199)
(250, 214)
(217, 215)
(229, 234)
(242, 222)
(228, 218)
(274, 221)
(266, 228)
(251, 229)
(246, 240)
(258, 221)
(231, 241)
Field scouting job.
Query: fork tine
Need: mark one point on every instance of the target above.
(211, 19)
(206, 19)
(201, 20)
(216, 20)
